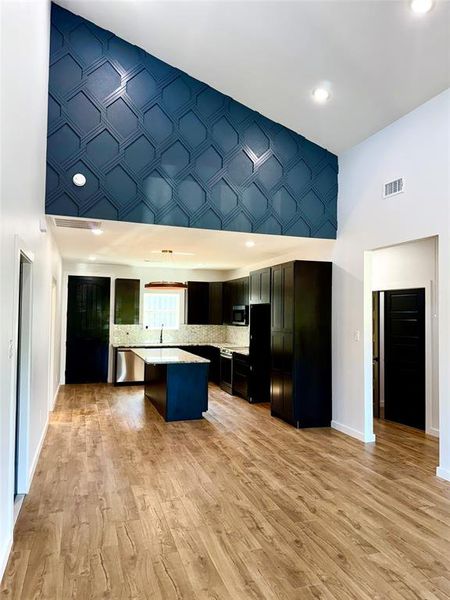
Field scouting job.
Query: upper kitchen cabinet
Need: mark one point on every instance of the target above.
(216, 303)
(197, 303)
(227, 305)
(239, 291)
(126, 303)
(235, 293)
(301, 343)
(259, 282)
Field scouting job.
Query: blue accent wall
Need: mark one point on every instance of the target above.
(158, 146)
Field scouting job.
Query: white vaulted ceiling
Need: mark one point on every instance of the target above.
(380, 59)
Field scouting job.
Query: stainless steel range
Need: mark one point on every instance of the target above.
(226, 366)
(226, 369)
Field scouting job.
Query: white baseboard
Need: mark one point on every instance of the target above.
(4, 555)
(37, 454)
(54, 397)
(434, 431)
(443, 473)
(355, 433)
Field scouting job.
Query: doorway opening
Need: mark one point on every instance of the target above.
(399, 367)
(402, 296)
(23, 379)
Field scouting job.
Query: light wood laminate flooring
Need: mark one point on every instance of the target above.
(236, 506)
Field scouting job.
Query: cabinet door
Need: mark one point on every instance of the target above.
(197, 303)
(288, 388)
(264, 282)
(215, 303)
(277, 298)
(245, 291)
(281, 396)
(288, 297)
(234, 285)
(126, 301)
(227, 302)
(255, 287)
(259, 287)
(277, 375)
(276, 393)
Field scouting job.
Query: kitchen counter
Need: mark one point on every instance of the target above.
(240, 350)
(166, 356)
(177, 344)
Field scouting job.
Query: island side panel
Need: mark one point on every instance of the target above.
(156, 387)
(187, 391)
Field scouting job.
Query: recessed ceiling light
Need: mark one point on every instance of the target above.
(250, 244)
(420, 7)
(321, 95)
(97, 231)
(92, 258)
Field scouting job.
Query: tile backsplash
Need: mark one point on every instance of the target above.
(196, 334)
(237, 335)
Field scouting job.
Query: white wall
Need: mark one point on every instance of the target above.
(417, 148)
(24, 74)
(414, 264)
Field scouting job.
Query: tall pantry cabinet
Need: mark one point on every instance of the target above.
(301, 343)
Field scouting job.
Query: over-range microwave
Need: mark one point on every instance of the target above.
(240, 315)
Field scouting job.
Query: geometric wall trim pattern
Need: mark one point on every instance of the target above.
(158, 146)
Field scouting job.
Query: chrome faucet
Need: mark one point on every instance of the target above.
(161, 334)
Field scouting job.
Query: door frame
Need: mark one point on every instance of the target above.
(429, 391)
(53, 350)
(21, 436)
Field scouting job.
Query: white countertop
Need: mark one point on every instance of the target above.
(174, 344)
(165, 356)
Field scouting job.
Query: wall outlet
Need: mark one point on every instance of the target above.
(357, 335)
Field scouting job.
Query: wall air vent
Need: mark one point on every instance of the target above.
(77, 224)
(394, 187)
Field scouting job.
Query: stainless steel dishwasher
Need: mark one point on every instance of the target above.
(129, 367)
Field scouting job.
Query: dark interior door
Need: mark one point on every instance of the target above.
(405, 357)
(87, 329)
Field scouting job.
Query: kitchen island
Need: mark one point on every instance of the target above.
(176, 382)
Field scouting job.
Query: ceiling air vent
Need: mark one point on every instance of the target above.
(394, 187)
(77, 224)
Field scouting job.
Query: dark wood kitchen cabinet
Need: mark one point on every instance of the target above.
(227, 306)
(260, 286)
(240, 377)
(216, 303)
(301, 343)
(241, 291)
(204, 303)
(235, 293)
(197, 303)
(126, 301)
